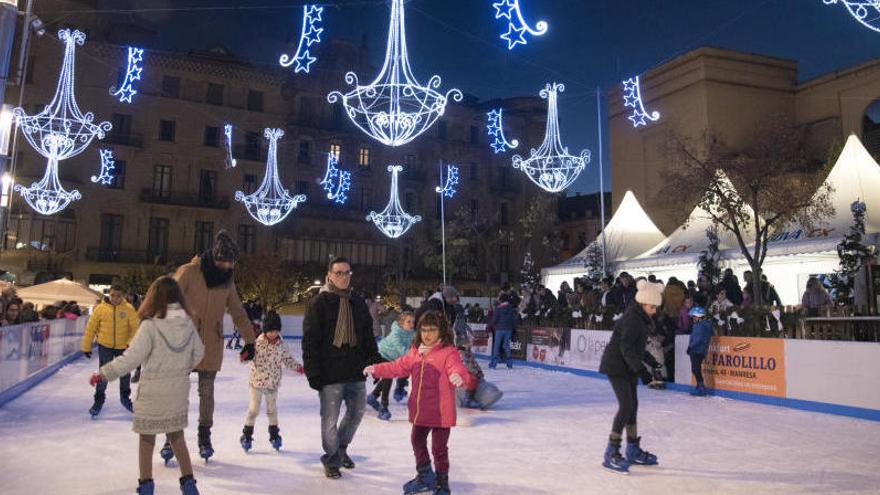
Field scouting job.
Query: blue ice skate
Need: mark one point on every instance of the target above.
(95, 410)
(374, 402)
(613, 460)
(247, 438)
(384, 413)
(188, 486)
(166, 453)
(206, 451)
(424, 482)
(635, 454)
(275, 437)
(399, 394)
(126, 403)
(145, 488)
(442, 484)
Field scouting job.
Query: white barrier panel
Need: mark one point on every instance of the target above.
(682, 360)
(587, 347)
(291, 325)
(482, 343)
(836, 372)
(30, 348)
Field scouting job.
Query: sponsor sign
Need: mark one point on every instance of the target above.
(751, 365)
(587, 347)
(548, 345)
(518, 343)
(28, 348)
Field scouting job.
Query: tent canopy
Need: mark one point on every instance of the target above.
(59, 290)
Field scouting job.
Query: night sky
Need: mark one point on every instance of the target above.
(590, 42)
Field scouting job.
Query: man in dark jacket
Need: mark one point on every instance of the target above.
(504, 321)
(338, 344)
(443, 301)
(731, 288)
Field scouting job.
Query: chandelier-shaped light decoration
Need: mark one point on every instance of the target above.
(448, 190)
(105, 176)
(133, 72)
(336, 182)
(270, 203)
(309, 35)
(393, 221)
(495, 126)
(517, 27)
(632, 97)
(550, 166)
(227, 138)
(394, 109)
(865, 11)
(59, 132)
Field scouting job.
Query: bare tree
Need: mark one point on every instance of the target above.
(271, 280)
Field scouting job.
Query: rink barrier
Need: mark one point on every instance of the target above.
(32, 381)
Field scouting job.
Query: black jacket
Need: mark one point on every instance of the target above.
(437, 304)
(625, 351)
(325, 364)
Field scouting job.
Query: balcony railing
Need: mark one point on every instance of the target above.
(143, 256)
(191, 200)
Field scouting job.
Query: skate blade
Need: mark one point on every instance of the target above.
(615, 471)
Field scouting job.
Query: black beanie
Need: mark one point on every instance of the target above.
(225, 249)
(271, 322)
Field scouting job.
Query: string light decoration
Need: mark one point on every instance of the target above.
(336, 182)
(550, 166)
(309, 35)
(108, 164)
(270, 203)
(517, 27)
(394, 109)
(393, 221)
(59, 132)
(496, 130)
(133, 72)
(866, 12)
(632, 97)
(227, 137)
(448, 190)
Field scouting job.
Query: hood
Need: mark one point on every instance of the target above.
(438, 296)
(395, 327)
(177, 332)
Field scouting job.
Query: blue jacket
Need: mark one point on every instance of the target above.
(504, 317)
(396, 343)
(699, 340)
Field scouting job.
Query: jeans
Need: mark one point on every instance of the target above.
(105, 355)
(336, 437)
(697, 367)
(501, 342)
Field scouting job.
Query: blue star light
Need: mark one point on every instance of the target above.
(309, 35)
(336, 182)
(632, 97)
(448, 190)
(105, 176)
(517, 25)
(495, 127)
(133, 72)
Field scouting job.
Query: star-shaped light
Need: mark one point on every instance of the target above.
(304, 62)
(517, 26)
(495, 127)
(503, 8)
(309, 35)
(632, 97)
(133, 72)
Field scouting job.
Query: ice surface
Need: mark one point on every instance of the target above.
(546, 436)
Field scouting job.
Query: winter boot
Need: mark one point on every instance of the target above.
(145, 487)
(374, 402)
(206, 451)
(442, 484)
(188, 485)
(95, 410)
(635, 454)
(345, 460)
(493, 363)
(613, 460)
(332, 472)
(167, 453)
(136, 376)
(399, 394)
(126, 403)
(424, 482)
(247, 438)
(384, 413)
(274, 437)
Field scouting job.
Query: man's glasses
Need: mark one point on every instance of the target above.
(342, 274)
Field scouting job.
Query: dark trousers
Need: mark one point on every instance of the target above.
(383, 388)
(439, 442)
(627, 401)
(105, 355)
(697, 367)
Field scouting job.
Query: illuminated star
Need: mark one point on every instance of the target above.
(638, 119)
(313, 35)
(498, 146)
(304, 62)
(513, 36)
(126, 94)
(629, 100)
(503, 8)
(314, 13)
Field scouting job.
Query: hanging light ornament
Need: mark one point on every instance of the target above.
(865, 11)
(393, 221)
(496, 130)
(133, 72)
(448, 189)
(227, 137)
(394, 109)
(517, 27)
(270, 203)
(105, 176)
(309, 35)
(550, 166)
(336, 182)
(59, 132)
(632, 97)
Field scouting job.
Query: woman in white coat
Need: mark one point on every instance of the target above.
(167, 347)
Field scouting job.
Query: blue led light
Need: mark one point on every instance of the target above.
(517, 27)
(448, 190)
(336, 182)
(309, 35)
(495, 126)
(105, 176)
(133, 72)
(227, 138)
(632, 97)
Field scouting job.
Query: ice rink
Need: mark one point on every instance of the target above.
(546, 436)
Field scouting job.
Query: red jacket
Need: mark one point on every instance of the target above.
(432, 395)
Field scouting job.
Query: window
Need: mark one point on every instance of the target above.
(475, 172)
(302, 187)
(255, 100)
(475, 135)
(249, 184)
(212, 136)
(366, 198)
(441, 130)
(29, 70)
(336, 150)
(214, 95)
(111, 237)
(157, 245)
(247, 238)
(121, 125)
(304, 152)
(161, 181)
(475, 209)
(167, 129)
(503, 258)
(207, 186)
(252, 146)
(364, 158)
(171, 86)
(117, 175)
(204, 236)
(505, 214)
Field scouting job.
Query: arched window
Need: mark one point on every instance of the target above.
(871, 128)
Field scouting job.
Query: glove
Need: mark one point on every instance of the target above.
(247, 353)
(369, 370)
(456, 379)
(95, 379)
(88, 355)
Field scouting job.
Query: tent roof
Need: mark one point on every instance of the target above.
(58, 290)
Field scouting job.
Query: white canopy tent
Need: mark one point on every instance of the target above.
(58, 290)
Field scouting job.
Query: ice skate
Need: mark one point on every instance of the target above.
(635, 454)
(95, 410)
(424, 482)
(206, 451)
(188, 486)
(373, 402)
(274, 437)
(384, 413)
(613, 460)
(247, 438)
(166, 453)
(399, 394)
(145, 488)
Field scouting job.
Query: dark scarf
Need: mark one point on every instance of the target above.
(344, 320)
(214, 277)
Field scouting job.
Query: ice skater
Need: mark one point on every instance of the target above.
(698, 346)
(622, 361)
(271, 356)
(395, 345)
(504, 321)
(436, 369)
(166, 347)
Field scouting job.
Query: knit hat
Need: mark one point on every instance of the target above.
(225, 249)
(649, 293)
(449, 292)
(271, 322)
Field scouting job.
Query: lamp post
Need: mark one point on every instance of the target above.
(8, 15)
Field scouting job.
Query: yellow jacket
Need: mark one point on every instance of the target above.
(114, 326)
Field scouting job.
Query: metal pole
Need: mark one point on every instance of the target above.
(8, 16)
(442, 223)
(601, 179)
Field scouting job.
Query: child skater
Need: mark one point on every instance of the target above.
(167, 348)
(393, 347)
(271, 354)
(698, 346)
(436, 369)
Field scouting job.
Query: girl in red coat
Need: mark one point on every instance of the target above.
(435, 369)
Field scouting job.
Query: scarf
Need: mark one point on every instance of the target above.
(344, 321)
(214, 277)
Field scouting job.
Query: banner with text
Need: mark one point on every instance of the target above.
(740, 364)
(587, 347)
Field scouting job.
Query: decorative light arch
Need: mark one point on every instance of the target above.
(866, 12)
(393, 221)
(270, 203)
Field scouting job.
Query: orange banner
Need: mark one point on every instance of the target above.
(751, 365)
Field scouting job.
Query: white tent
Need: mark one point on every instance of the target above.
(629, 232)
(58, 290)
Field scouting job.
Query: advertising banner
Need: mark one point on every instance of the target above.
(518, 343)
(751, 365)
(28, 348)
(587, 347)
(548, 345)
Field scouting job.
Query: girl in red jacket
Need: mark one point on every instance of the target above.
(435, 369)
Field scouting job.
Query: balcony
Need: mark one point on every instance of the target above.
(109, 255)
(244, 152)
(127, 139)
(186, 199)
